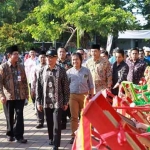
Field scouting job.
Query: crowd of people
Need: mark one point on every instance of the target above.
(59, 85)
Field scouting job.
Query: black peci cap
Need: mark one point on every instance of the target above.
(95, 46)
(42, 53)
(12, 49)
(51, 53)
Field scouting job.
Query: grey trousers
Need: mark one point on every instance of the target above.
(39, 114)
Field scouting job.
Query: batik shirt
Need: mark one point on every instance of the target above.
(101, 73)
(136, 70)
(65, 64)
(13, 82)
(52, 87)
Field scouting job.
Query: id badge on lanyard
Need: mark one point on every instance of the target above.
(19, 76)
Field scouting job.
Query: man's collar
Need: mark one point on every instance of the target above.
(138, 60)
(9, 63)
(98, 60)
(78, 69)
(60, 61)
(48, 68)
(120, 63)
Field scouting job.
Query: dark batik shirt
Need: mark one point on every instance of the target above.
(52, 87)
(136, 70)
(120, 72)
(16, 79)
(65, 64)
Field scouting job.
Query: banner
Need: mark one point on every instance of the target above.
(109, 42)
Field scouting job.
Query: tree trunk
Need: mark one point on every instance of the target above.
(70, 38)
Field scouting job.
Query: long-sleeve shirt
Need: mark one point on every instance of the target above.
(29, 64)
(120, 72)
(136, 70)
(65, 64)
(52, 89)
(34, 76)
(13, 82)
(101, 73)
(80, 80)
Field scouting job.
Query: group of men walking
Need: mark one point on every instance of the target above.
(57, 83)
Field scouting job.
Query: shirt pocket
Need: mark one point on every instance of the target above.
(84, 78)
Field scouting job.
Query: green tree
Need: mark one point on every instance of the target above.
(11, 31)
(53, 17)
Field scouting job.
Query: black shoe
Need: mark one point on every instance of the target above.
(38, 126)
(21, 141)
(10, 139)
(71, 141)
(63, 126)
(51, 142)
(55, 148)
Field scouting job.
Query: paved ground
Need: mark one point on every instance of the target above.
(37, 138)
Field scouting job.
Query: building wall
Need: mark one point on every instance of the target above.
(128, 43)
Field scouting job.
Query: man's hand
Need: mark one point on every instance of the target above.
(89, 96)
(65, 107)
(32, 94)
(116, 86)
(3, 100)
(40, 108)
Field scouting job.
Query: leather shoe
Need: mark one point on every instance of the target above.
(21, 141)
(10, 139)
(63, 126)
(38, 126)
(71, 141)
(55, 148)
(51, 142)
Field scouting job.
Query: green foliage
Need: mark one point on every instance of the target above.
(50, 19)
(11, 30)
(12, 34)
(23, 21)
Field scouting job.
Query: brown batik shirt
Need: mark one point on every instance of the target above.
(101, 73)
(13, 82)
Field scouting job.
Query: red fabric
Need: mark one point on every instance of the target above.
(103, 117)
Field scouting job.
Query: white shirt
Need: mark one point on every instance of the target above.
(29, 64)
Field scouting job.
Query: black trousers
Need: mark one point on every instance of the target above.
(65, 114)
(40, 115)
(33, 98)
(53, 119)
(14, 129)
(115, 91)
